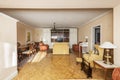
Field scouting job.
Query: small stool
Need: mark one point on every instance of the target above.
(78, 60)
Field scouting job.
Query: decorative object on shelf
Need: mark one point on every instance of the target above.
(107, 46)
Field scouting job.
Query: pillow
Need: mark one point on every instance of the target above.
(96, 51)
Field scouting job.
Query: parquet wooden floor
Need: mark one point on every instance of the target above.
(57, 67)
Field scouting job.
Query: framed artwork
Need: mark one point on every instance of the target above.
(28, 36)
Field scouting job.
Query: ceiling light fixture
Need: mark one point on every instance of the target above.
(54, 29)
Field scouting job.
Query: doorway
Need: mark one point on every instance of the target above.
(96, 32)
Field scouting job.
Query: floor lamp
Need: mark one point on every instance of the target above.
(107, 46)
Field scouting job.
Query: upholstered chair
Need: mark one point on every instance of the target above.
(96, 54)
(75, 47)
(116, 74)
(43, 47)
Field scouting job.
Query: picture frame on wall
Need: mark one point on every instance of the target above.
(28, 36)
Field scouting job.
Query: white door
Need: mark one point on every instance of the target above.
(73, 36)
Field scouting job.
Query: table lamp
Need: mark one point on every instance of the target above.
(107, 46)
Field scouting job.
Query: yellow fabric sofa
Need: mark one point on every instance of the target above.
(94, 55)
(61, 48)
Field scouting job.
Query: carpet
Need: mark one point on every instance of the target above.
(38, 57)
(25, 60)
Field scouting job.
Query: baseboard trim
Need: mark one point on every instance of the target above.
(12, 75)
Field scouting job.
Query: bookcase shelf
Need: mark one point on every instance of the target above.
(60, 35)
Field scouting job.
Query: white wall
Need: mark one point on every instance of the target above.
(8, 47)
(106, 22)
(44, 34)
(73, 36)
(22, 30)
(117, 35)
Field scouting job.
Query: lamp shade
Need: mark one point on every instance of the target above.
(108, 45)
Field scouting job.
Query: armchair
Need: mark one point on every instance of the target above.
(87, 61)
(96, 54)
(116, 74)
(75, 47)
(43, 47)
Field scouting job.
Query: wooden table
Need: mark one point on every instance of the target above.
(106, 67)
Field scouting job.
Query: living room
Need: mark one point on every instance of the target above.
(109, 32)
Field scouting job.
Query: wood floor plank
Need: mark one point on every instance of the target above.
(58, 67)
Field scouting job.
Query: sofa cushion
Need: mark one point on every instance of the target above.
(96, 51)
(100, 50)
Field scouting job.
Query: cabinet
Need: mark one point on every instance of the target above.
(60, 35)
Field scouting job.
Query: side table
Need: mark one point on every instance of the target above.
(106, 67)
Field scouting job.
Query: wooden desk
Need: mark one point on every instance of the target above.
(106, 67)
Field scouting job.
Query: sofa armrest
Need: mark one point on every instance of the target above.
(95, 57)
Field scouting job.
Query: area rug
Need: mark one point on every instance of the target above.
(38, 57)
(26, 60)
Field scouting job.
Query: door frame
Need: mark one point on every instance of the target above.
(93, 35)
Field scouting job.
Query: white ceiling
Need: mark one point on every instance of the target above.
(62, 18)
(58, 3)
(65, 13)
